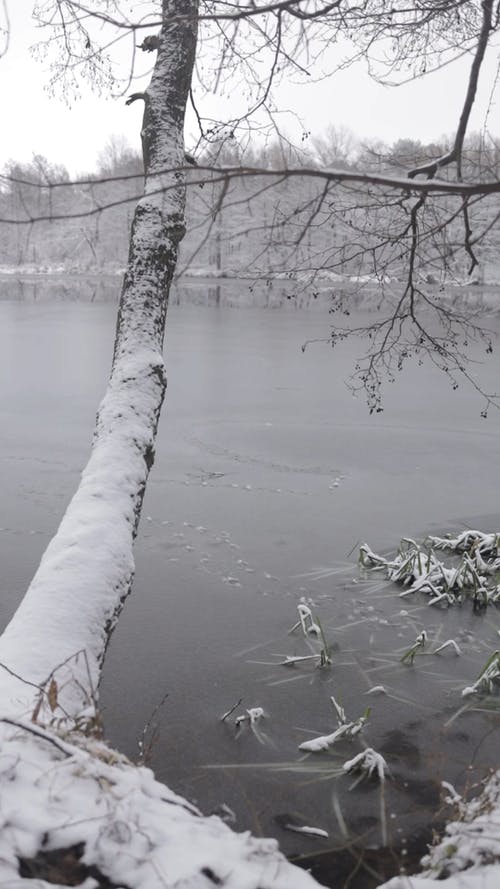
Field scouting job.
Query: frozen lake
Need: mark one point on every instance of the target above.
(268, 475)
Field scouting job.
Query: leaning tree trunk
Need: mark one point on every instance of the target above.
(72, 811)
(57, 638)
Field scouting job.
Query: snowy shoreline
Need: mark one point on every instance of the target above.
(322, 276)
(76, 812)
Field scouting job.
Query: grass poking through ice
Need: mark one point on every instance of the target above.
(489, 675)
(416, 567)
(310, 626)
(345, 729)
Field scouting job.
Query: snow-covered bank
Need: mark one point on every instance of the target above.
(75, 812)
(468, 854)
(484, 878)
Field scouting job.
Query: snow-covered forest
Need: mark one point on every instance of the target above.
(245, 229)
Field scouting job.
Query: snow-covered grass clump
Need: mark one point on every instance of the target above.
(347, 729)
(475, 577)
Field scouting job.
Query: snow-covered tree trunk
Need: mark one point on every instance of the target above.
(57, 638)
(73, 811)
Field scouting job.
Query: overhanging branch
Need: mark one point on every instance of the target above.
(455, 155)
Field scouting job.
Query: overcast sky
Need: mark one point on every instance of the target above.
(34, 122)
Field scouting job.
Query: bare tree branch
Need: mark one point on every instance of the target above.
(455, 155)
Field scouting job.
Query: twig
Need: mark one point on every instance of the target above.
(228, 712)
(39, 733)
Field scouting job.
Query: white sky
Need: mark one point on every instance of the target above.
(34, 122)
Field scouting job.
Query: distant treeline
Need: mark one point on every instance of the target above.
(253, 226)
